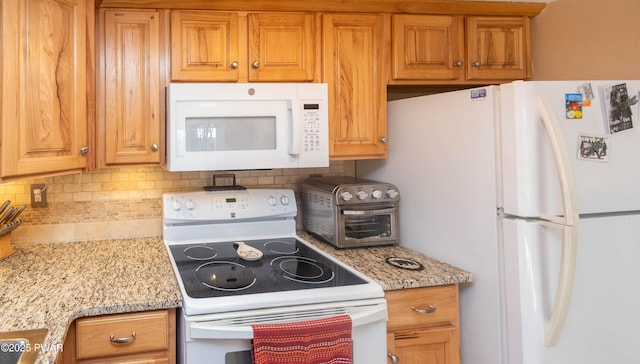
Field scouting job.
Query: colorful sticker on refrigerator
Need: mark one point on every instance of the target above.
(587, 93)
(480, 93)
(573, 104)
(593, 147)
(617, 106)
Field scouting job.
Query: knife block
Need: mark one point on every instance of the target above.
(6, 248)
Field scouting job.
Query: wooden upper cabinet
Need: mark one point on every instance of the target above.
(356, 68)
(130, 94)
(231, 47)
(442, 49)
(281, 47)
(44, 87)
(204, 46)
(498, 48)
(428, 46)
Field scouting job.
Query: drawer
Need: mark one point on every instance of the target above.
(419, 307)
(140, 332)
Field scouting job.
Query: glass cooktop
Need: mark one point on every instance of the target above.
(287, 264)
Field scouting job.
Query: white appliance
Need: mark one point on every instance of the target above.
(222, 126)
(537, 193)
(238, 262)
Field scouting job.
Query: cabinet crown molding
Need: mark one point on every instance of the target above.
(449, 7)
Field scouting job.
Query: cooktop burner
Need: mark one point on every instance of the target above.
(216, 270)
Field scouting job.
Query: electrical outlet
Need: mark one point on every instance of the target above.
(39, 195)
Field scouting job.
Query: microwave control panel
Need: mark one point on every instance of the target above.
(311, 127)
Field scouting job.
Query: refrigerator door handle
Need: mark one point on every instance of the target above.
(567, 184)
(553, 327)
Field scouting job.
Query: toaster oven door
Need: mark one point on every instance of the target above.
(367, 224)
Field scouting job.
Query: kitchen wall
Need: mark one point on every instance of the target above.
(586, 39)
(125, 202)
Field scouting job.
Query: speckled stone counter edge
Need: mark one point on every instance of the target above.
(49, 285)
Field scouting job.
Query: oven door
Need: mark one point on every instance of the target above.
(367, 224)
(225, 338)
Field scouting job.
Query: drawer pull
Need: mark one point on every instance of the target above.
(123, 340)
(428, 310)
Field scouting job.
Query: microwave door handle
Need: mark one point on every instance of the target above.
(295, 120)
(210, 330)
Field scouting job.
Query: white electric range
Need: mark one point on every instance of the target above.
(238, 261)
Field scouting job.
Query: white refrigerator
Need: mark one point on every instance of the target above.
(534, 187)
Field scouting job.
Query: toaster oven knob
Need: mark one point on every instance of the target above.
(362, 195)
(346, 196)
(376, 194)
(392, 193)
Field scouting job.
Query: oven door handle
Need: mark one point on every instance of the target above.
(214, 330)
(369, 212)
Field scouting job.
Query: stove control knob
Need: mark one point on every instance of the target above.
(190, 205)
(272, 201)
(177, 205)
(346, 196)
(284, 199)
(392, 193)
(376, 194)
(362, 195)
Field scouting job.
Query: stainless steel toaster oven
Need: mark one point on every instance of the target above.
(350, 212)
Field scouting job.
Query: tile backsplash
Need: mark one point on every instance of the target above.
(126, 202)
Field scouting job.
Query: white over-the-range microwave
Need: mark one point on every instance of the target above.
(222, 126)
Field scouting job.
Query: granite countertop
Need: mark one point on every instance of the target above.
(51, 284)
(372, 262)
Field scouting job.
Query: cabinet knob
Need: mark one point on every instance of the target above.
(84, 150)
(460, 63)
(394, 358)
(383, 140)
(476, 64)
(154, 147)
(234, 64)
(255, 64)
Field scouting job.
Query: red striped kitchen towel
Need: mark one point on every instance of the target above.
(322, 341)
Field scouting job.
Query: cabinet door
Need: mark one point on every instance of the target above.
(44, 79)
(130, 121)
(204, 46)
(498, 48)
(428, 47)
(281, 47)
(356, 68)
(435, 346)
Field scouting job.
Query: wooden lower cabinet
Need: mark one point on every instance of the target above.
(424, 325)
(139, 337)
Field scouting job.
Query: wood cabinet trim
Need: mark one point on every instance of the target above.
(354, 6)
